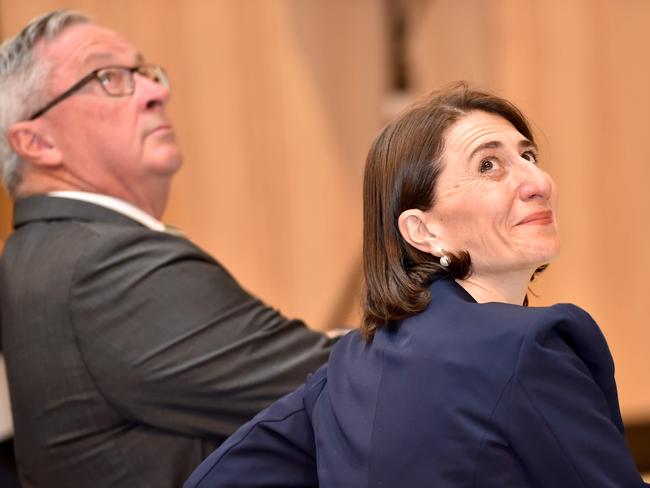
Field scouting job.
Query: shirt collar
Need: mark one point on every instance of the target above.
(115, 204)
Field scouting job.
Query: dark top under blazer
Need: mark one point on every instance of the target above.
(131, 354)
(461, 395)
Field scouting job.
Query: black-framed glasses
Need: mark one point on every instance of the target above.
(117, 81)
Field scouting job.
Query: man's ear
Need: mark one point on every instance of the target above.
(33, 145)
(418, 232)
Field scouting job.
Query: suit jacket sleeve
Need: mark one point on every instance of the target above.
(172, 341)
(274, 450)
(565, 421)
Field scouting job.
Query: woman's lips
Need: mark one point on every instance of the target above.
(538, 218)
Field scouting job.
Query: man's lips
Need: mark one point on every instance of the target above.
(538, 218)
(161, 129)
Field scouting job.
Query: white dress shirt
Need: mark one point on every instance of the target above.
(115, 204)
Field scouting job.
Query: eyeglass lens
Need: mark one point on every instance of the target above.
(119, 80)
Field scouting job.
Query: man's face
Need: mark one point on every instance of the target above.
(121, 146)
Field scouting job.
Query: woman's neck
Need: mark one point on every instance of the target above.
(505, 287)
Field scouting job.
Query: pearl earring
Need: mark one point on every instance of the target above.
(444, 260)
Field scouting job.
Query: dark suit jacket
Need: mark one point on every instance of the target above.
(131, 354)
(461, 395)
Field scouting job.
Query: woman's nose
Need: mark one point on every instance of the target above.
(534, 183)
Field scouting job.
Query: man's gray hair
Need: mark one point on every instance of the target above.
(23, 82)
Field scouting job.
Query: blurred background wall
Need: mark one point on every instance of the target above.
(276, 102)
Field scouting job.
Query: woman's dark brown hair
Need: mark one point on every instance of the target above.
(402, 169)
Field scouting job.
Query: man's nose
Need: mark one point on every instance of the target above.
(153, 93)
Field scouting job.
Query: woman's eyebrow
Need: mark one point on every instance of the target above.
(527, 144)
(523, 144)
(485, 145)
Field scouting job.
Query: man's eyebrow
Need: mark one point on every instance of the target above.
(108, 57)
(523, 144)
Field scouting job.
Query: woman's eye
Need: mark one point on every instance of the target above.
(530, 156)
(486, 165)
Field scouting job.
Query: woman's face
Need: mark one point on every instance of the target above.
(493, 199)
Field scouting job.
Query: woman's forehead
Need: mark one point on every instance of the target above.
(480, 129)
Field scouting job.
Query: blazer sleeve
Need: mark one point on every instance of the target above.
(274, 450)
(565, 422)
(172, 341)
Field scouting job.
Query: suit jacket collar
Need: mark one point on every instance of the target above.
(43, 208)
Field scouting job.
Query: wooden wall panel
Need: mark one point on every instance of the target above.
(5, 216)
(5, 202)
(275, 104)
(576, 68)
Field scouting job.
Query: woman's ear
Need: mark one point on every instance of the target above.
(33, 144)
(418, 232)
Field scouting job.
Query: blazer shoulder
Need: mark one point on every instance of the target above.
(534, 322)
(115, 245)
(567, 331)
(453, 308)
(570, 323)
(481, 332)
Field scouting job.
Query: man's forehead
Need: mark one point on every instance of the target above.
(89, 46)
(104, 57)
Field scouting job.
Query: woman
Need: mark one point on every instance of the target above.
(451, 381)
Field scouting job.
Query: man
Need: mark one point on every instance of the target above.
(131, 353)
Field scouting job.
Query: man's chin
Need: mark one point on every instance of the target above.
(167, 161)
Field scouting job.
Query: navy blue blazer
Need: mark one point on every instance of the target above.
(461, 395)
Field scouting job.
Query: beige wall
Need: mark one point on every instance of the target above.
(579, 70)
(5, 216)
(276, 103)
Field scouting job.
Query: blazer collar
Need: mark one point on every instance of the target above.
(43, 208)
(444, 288)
